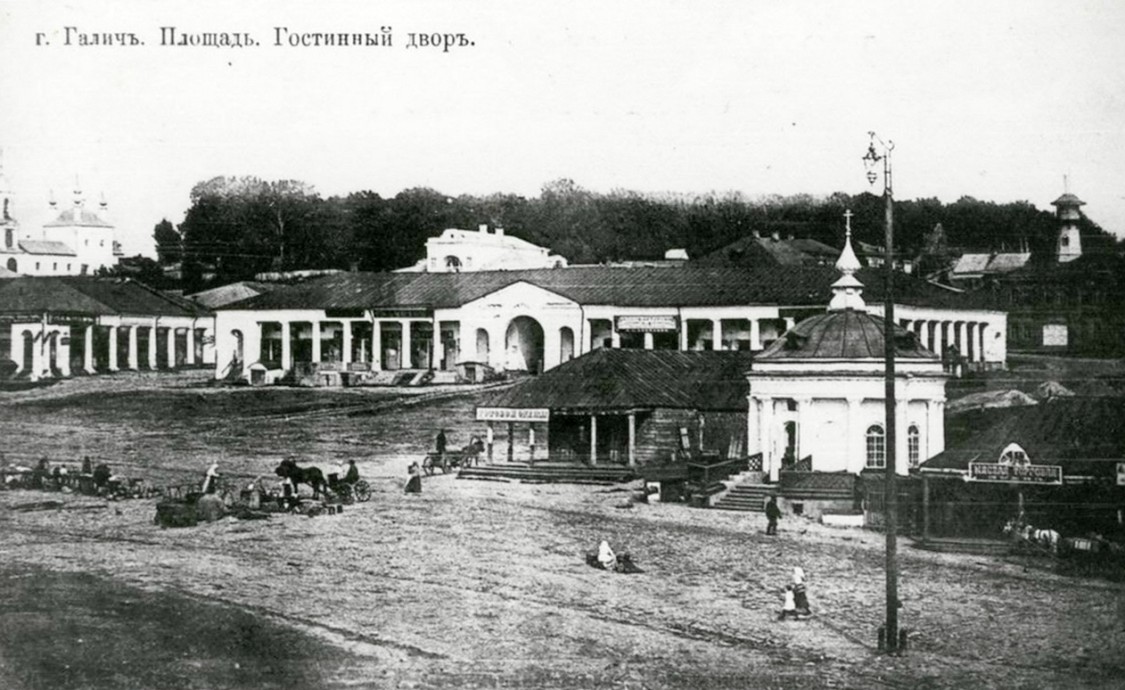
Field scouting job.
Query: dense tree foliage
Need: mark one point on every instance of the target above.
(237, 227)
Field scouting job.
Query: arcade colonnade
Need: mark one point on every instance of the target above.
(56, 346)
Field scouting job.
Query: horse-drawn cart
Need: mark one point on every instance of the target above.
(450, 459)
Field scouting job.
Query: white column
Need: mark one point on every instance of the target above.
(593, 440)
(190, 359)
(935, 438)
(632, 439)
(62, 353)
(716, 334)
(902, 462)
(376, 345)
(286, 346)
(133, 347)
(648, 341)
(113, 364)
(171, 347)
(804, 414)
(405, 345)
(316, 342)
(938, 344)
(346, 355)
(435, 343)
(614, 336)
(981, 327)
(683, 334)
(855, 443)
(88, 353)
(790, 323)
(38, 345)
(755, 334)
(924, 333)
(152, 346)
(770, 463)
(962, 338)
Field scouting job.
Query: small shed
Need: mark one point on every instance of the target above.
(628, 407)
(1060, 464)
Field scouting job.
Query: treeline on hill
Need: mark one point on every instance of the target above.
(237, 227)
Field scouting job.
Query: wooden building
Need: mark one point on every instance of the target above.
(625, 407)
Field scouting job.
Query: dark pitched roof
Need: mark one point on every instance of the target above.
(843, 334)
(91, 296)
(38, 295)
(1084, 435)
(672, 286)
(757, 251)
(618, 380)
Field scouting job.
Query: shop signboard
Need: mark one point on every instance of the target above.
(1016, 474)
(647, 323)
(513, 414)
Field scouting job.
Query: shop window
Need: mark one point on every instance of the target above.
(913, 445)
(876, 447)
(1013, 454)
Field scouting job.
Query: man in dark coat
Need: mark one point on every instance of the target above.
(773, 514)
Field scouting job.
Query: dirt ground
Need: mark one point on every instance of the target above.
(475, 584)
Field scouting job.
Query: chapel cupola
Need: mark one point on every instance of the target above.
(847, 290)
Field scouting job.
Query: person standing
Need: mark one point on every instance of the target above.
(800, 595)
(773, 514)
(210, 480)
(789, 608)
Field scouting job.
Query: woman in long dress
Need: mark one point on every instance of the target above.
(414, 484)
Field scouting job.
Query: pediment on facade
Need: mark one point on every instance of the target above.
(521, 293)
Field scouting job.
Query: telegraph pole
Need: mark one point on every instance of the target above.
(890, 492)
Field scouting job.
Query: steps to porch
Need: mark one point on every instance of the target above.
(546, 472)
(747, 493)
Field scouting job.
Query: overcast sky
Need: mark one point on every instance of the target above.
(997, 100)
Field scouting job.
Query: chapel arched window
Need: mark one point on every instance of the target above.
(913, 445)
(876, 447)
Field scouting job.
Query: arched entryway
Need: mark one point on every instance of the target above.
(523, 345)
(566, 344)
(482, 345)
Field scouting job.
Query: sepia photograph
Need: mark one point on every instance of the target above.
(640, 345)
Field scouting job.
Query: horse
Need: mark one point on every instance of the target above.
(302, 475)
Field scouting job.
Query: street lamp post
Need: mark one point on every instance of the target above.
(890, 493)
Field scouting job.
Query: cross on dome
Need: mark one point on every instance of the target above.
(846, 292)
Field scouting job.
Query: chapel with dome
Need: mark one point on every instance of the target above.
(817, 394)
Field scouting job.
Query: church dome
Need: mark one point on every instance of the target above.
(845, 334)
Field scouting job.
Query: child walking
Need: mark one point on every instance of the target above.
(789, 608)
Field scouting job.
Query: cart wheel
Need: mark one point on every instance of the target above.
(428, 465)
(445, 465)
(362, 491)
(344, 491)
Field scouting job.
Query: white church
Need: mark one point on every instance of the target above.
(77, 241)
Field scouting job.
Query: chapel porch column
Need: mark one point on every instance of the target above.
(902, 458)
(854, 444)
(804, 412)
(755, 334)
(716, 334)
(924, 334)
(88, 352)
(770, 463)
(404, 358)
(62, 354)
(614, 334)
(648, 340)
(683, 334)
(938, 343)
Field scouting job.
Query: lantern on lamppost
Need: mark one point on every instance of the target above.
(890, 491)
